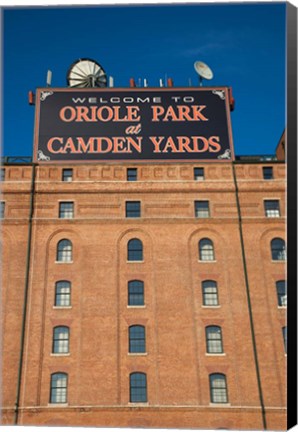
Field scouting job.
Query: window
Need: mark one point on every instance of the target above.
(281, 293)
(272, 208)
(67, 175)
(61, 340)
(137, 342)
(278, 249)
(2, 209)
(135, 293)
(58, 388)
(267, 173)
(285, 337)
(214, 340)
(206, 250)
(62, 293)
(2, 174)
(199, 174)
(132, 174)
(66, 210)
(138, 387)
(202, 209)
(135, 250)
(218, 388)
(133, 209)
(210, 295)
(64, 251)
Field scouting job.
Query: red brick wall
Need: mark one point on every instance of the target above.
(176, 362)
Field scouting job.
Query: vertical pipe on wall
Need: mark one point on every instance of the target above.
(252, 329)
(26, 289)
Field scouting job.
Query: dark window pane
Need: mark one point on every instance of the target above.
(202, 209)
(67, 175)
(267, 173)
(135, 250)
(62, 293)
(135, 293)
(66, 210)
(214, 340)
(218, 388)
(285, 337)
(281, 293)
(206, 251)
(278, 249)
(138, 387)
(133, 209)
(2, 209)
(272, 208)
(210, 295)
(64, 251)
(132, 174)
(137, 339)
(61, 340)
(199, 174)
(58, 388)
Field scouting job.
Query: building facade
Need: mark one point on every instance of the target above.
(144, 294)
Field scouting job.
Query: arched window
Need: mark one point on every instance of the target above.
(138, 387)
(63, 293)
(210, 294)
(135, 250)
(135, 293)
(278, 249)
(64, 251)
(281, 293)
(214, 340)
(58, 392)
(61, 340)
(206, 250)
(218, 388)
(137, 341)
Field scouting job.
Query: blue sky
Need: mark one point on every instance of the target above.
(243, 43)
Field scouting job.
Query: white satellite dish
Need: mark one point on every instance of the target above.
(203, 71)
(86, 73)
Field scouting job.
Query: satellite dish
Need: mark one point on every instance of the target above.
(86, 73)
(203, 71)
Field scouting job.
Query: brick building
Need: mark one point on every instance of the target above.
(144, 294)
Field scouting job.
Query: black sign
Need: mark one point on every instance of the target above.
(133, 124)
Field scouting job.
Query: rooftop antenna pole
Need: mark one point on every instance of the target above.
(111, 81)
(49, 78)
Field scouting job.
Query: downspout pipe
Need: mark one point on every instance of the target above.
(26, 290)
(252, 329)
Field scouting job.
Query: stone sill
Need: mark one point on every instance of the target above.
(137, 354)
(215, 354)
(60, 354)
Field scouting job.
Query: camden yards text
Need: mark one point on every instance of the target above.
(133, 124)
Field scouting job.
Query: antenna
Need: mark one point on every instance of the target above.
(203, 71)
(86, 73)
(49, 78)
(132, 83)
